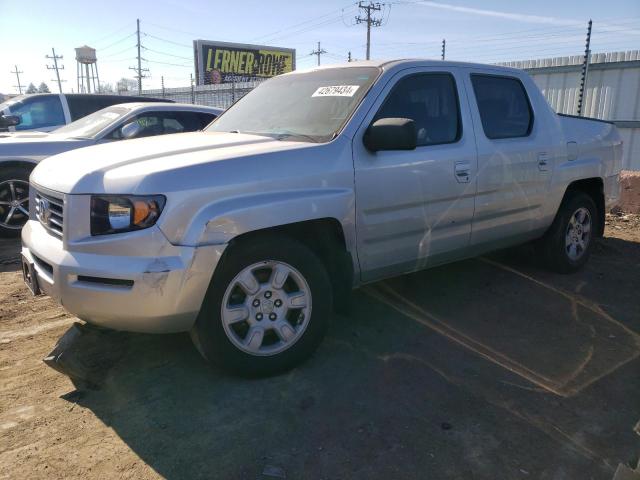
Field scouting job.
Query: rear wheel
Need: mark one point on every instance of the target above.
(567, 244)
(14, 200)
(267, 308)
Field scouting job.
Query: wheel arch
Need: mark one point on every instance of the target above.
(594, 187)
(20, 163)
(326, 238)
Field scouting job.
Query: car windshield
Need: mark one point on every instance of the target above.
(310, 107)
(91, 125)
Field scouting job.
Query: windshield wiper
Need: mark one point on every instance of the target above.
(288, 134)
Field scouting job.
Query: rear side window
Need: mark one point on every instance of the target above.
(39, 112)
(83, 105)
(504, 107)
(431, 101)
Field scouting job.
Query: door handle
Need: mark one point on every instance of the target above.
(461, 170)
(543, 161)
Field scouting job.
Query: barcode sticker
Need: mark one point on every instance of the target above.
(336, 91)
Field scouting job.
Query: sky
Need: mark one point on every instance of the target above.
(482, 31)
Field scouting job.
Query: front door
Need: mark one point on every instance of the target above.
(416, 207)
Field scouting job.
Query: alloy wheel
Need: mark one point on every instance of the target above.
(266, 308)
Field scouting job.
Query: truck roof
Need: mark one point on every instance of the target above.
(410, 62)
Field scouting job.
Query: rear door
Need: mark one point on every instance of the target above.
(416, 207)
(515, 159)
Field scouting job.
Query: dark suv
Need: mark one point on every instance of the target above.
(47, 111)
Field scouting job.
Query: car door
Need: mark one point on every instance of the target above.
(515, 160)
(415, 208)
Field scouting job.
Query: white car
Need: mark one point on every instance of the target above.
(21, 151)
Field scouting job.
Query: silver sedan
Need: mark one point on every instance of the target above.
(21, 152)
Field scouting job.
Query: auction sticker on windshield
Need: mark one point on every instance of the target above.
(336, 91)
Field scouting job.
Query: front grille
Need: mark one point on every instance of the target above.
(50, 212)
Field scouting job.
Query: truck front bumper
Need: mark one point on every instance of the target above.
(114, 286)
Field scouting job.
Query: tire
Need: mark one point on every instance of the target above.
(237, 345)
(14, 200)
(565, 247)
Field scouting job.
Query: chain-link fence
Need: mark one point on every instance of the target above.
(221, 95)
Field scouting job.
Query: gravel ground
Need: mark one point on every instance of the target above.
(490, 368)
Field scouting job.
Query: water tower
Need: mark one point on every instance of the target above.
(87, 69)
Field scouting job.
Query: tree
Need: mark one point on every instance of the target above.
(43, 88)
(105, 88)
(126, 85)
(31, 88)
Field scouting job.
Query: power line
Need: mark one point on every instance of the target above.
(167, 54)
(117, 42)
(318, 52)
(168, 41)
(168, 63)
(18, 72)
(55, 67)
(125, 27)
(312, 20)
(369, 20)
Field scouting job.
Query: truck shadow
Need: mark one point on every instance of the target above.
(9, 254)
(481, 369)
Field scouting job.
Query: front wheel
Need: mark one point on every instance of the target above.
(14, 200)
(567, 244)
(267, 308)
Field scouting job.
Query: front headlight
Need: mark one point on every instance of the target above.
(124, 213)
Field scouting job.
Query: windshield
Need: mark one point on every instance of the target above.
(91, 125)
(306, 106)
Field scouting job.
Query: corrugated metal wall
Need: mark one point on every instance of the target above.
(612, 93)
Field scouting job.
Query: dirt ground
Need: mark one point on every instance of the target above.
(490, 368)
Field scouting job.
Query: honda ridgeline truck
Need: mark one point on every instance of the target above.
(249, 234)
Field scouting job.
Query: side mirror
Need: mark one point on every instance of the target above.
(130, 130)
(10, 120)
(391, 134)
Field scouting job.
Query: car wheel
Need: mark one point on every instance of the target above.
(267, 308)
(567, 244)
(14, 200)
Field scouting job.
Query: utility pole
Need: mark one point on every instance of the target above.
(55, 67)
(369, 20)
(318, 52)
(193, 93)
(18, 72)
(585, 71)
(162, 83)
(444, 47)
(139, 68)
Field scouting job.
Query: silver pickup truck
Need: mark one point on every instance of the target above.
(250, 233)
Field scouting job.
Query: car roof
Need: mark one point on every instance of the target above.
(167, 106)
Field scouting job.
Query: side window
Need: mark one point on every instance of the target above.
(82, 105)
(431, 101)
(503, 105)
(206, 119)
(39, 112)
(150, 125)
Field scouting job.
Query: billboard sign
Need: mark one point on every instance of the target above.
(222, 62)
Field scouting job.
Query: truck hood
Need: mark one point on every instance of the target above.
(123, 167)
(36, 146)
